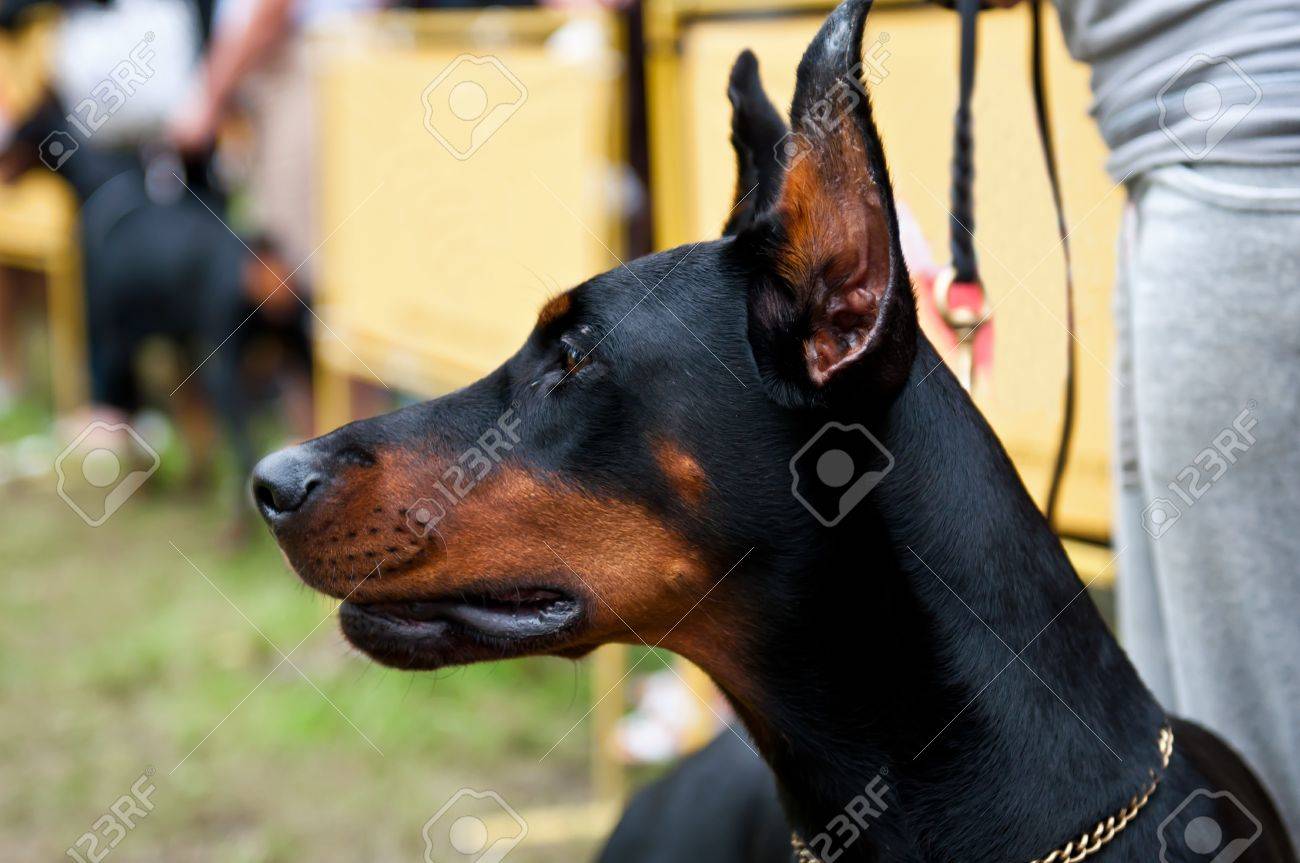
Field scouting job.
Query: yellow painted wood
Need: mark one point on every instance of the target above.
(24, 57)
(66, 316)
(608, 671)
(38, 231)
(1095, 563)
(438, 266)
(560, 824)
(332, 387)
(915, 45)
(38, 216)
(698, 681)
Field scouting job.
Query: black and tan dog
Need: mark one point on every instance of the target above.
(161, 265)
(626, 477)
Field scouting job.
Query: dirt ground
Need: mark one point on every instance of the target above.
(132, 659)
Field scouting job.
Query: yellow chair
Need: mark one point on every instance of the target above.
(38, 220)
(38, 231)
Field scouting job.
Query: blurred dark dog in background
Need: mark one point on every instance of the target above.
(159, 263)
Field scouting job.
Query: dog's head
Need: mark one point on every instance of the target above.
(605, 480)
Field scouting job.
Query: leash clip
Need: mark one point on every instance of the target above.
(963, 318)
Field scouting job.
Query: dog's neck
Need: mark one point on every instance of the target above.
(896, 655)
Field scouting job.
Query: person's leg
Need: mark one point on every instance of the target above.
(1141, 615)
(1215, 291)
(283, 202)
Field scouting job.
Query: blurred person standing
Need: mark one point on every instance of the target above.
(259, 54)
(1199, 103)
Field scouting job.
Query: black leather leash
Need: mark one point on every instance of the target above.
(1037, 59)
(965, 263)
(961, 207)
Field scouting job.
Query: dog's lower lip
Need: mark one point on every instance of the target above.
(521, 614)
(517, 601)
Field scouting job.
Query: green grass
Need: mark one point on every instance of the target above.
(118, 657)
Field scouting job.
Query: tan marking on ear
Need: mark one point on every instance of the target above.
(836, 254)
(823, 203)
(556, 307)
(683, 472)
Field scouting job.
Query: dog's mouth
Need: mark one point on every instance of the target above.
(468, 627)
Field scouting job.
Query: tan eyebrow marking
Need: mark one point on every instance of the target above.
(556, 307)
(687, 478)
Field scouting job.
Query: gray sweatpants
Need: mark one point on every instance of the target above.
(1207, 310)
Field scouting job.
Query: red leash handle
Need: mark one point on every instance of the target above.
(963, 308)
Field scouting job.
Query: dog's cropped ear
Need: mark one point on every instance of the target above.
(831, 307)
(757, 133)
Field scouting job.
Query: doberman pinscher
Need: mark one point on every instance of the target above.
(919, 664)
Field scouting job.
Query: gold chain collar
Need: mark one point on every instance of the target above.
(1088, 843)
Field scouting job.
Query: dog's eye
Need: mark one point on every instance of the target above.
(575, 358)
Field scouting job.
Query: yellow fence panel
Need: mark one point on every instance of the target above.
(468, 173)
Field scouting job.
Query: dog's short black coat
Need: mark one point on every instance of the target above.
(937, 635)
(718, 804)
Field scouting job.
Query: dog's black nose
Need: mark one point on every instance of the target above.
(283, 481)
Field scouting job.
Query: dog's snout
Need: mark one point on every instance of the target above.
(283, 481)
